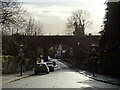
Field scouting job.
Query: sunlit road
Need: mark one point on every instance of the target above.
(62, 77)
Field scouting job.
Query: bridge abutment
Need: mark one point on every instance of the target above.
(45, 54)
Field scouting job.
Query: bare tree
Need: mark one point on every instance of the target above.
(39, 28)
(11, 16)
(29, 26)
(33, 27)
(77, 23)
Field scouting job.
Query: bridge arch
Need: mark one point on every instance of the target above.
(64, 47)
(45, 42)
(75, 47)
(33, 42)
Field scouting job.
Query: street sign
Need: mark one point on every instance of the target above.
(21, 53)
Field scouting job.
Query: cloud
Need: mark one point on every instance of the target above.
(65, 0)
(53, 15)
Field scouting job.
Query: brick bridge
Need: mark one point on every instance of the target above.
(80, 45)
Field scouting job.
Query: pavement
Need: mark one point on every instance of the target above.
(14, 77)
(106, 79)
(98, 77)
(101, 78)
(64, 77)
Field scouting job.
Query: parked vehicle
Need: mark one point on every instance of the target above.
(41, 68)
(53, 61)
(50, 65)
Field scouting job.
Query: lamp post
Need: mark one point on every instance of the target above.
(21, 55)
(93, 57)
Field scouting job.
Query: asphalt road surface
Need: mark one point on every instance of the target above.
(62, 77)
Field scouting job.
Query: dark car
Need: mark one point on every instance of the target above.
(41, 68)
(53, 61)
(50, 65)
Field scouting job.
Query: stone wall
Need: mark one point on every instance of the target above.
(10, 65)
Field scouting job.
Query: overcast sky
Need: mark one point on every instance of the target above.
(53, 14)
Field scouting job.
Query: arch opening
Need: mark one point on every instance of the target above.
(63, 52)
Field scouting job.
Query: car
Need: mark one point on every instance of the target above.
(53, 61)
(41, 68)
(50, 65)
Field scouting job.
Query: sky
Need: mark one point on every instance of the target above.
(53, 14)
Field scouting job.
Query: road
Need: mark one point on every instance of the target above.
(62, 77)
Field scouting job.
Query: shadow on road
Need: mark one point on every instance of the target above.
(40, 74)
